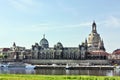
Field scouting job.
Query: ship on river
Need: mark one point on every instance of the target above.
(16, 65)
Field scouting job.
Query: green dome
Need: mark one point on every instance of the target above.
(44, 43)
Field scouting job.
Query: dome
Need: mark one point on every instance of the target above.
(59, 45)
(94, 37)
(44, 43)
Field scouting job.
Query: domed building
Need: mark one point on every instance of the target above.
(94, 40)
(44, 43)
(94, 46)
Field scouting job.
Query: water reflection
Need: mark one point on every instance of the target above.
(60, 72)
(116, 72)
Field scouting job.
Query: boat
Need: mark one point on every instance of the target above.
(72, 66)
(54, 65)
(68, 66)
(20, 65)
(15, 65)
(3, 65)
(29, 66)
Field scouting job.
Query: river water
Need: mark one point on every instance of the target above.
(60, 72)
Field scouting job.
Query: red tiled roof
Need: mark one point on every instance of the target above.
(6, 49)
(98, 52)
(117, 51)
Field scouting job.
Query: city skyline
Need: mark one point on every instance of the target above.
(65, 21)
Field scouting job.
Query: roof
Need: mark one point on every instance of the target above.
(59, 44)
(116, 52)
(4, 49)
(98, 52)
(43, 41)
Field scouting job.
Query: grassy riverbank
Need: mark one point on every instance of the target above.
(54, 77)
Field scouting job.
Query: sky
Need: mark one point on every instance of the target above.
(67, 21)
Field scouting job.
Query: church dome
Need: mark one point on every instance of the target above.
(44, 43)
(58, 46)
(94, 37)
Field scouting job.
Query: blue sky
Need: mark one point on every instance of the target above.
(65, 21)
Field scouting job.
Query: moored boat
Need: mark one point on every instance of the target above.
(68, 66)
(18, 65)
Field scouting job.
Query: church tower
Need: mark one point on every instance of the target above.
(14, 47)
(94, 39)
(94, 27)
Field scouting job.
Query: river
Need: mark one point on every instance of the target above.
(60, 72)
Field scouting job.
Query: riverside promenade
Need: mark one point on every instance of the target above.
(73, 64)
(64, 61)
(98, 67)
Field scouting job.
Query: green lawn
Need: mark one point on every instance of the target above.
(54, 77)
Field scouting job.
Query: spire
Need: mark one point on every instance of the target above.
(14, 44)
(86, 44)
(101, 45)
(86, 41)
(94, 27)
(43, 35)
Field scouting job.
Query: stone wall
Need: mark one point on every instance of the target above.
(49, 61)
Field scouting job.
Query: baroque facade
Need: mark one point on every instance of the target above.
(84, 51)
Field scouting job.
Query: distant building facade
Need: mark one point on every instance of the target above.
(114, 58)
(93, 48)
(4, 53)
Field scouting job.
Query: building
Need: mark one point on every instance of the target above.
(94, 40)
(17, 52)
(4, 52)
(114, 58)
(94, 46)
(96, 49)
